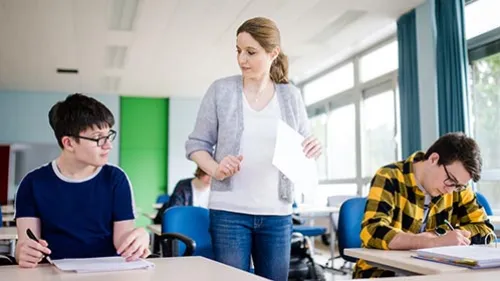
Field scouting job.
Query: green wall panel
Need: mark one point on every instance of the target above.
(146, 122)
(144, 149)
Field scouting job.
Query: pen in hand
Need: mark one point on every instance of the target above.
(33, 237)
(449, 225)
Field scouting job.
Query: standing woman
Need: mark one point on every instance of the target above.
(251, 200)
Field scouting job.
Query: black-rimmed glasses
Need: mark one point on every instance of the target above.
(451, 181)
(102, 140)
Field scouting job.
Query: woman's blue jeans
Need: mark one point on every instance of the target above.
(236, 237)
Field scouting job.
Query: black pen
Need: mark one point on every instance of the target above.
(33, 237)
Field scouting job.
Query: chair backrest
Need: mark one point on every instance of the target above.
(336, 201)
(192, 222)
(481, 200)
(162, 198)
(7, 260)
(349, 227)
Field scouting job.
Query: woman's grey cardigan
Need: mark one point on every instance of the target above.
(219, 125)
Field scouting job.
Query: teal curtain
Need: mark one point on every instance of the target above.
(451, 65)
(408, 84)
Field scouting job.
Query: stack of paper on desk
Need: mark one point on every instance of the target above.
(468, 256)
(100, 264)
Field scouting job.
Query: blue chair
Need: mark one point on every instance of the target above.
(189, 225)
(349, 227)
(481, 200)
(162, 198)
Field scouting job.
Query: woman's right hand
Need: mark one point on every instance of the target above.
(30, 252)
(227, 167)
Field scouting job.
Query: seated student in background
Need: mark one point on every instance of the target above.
(410, 202)
(188, 192)
(78, 205)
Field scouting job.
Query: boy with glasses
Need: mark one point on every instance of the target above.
(78, 206)
(425, 201)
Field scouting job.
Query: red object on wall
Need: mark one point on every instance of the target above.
(4, 173)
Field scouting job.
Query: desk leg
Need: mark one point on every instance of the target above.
(333, 242)
(12, 247)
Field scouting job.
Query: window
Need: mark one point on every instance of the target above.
(341, 147)
(491, 191)
(356, 119)
(379, 62)
(379, 132)
(485, 113)
(318, 126)
(480, 17)
(330, 84)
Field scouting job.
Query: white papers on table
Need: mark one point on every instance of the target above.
(290, 159)
(101, 264)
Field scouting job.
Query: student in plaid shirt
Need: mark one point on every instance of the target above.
(409, 202)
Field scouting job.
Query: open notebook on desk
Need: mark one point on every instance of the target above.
(101, 264)
(474, 257)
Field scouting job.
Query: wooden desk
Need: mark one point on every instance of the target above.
(402, 262)
(8, 209)
(7, 218)
(470, 275)
(8, 233)
(306, 210)
(495, 220)
(155, 228)
(149, 216)
(180, 268)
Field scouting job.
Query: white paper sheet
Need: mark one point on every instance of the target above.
(100, 264)
(290, 159)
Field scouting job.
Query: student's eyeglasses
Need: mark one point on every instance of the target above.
(451, 181)
(102, 140)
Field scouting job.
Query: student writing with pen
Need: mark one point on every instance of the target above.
(415, 203)
(78, 206)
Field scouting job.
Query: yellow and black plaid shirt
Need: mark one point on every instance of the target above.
(396, 204)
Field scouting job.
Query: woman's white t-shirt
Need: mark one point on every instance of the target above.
(255, 186)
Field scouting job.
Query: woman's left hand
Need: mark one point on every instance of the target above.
(312, 147)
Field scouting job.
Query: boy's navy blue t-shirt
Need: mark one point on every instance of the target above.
(76, 216)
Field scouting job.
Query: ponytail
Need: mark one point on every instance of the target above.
(279, 69)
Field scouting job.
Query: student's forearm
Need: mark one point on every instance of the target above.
(121, 230)
(410, 241)
(205, 161)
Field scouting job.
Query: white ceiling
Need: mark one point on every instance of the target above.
(174, 47)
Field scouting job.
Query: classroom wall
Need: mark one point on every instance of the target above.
(23, 117)
(31, 157)
(182, 118)
(144, 149)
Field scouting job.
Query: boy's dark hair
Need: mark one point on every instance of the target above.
(76, 114)
(457, 146)
(199, 173)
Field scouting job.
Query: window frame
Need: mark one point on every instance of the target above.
(356, 95)
(478, 48)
